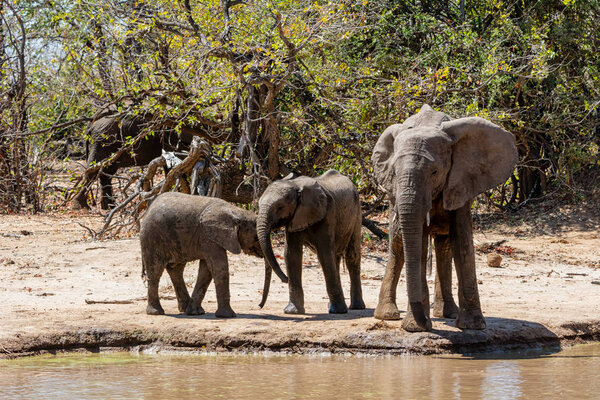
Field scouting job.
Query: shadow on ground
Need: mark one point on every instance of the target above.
(351, 315)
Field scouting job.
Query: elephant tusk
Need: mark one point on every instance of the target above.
(427, 218)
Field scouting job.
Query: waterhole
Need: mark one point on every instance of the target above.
(573, 373)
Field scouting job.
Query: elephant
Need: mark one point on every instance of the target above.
(179, 228)
(107, 136)
(324, 213)
(432, 167)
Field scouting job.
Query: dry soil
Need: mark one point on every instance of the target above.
(61, 291)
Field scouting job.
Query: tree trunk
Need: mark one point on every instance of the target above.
(103, 60)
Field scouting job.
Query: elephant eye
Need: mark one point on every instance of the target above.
(434, 172)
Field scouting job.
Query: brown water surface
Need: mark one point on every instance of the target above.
(570, 374)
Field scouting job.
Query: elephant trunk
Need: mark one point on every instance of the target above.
(263, 230)
(411, 226)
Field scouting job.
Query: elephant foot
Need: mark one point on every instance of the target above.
(470, 319)
(339, 308)
(154, 309)
(75, 205)
(194, 309)
(415, 319)
(387, 311)
(183, 306)
(225, 312)
(357, 304)
(445, 309)
(107, 204)
(292, 309)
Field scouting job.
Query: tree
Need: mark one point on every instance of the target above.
(18, 180)
(301, 86)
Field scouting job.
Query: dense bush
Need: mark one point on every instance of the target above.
(302, 85)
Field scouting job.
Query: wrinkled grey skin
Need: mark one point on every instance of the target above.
(179, 228)
(323, 213)
(432, 167)
(108, 135)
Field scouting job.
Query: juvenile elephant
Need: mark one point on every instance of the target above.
(324, 213)
(107, 136)
(432, 167)
(179, 228)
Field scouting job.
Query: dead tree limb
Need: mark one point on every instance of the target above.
(372, 226)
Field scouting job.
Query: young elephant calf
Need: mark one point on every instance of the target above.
(179, 228)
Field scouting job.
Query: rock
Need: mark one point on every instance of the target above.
(494, 260)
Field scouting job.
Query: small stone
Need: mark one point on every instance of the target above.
(494, 260)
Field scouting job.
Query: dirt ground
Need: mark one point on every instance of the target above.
(59, 290)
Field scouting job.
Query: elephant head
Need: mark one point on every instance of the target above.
(431, 157)
(295, 203)
(235, 231)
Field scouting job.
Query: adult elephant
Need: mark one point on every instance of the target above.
(432, 167)
(324, 213)
(108, 135)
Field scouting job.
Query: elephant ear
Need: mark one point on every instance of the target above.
(383, 153)
(483, 156)
(220, 225)
(311, 207)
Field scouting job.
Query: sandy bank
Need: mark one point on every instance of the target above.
(547, 292)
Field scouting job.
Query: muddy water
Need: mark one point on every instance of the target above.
(573, 373)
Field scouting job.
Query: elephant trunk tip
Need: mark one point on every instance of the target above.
(263, 228)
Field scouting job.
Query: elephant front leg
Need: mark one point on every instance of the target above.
(409, 322)
(219, 269)
(80, 200)
(387, 308)
(293, 263)
(461, 237)
(202, 282)
(175, 271)
(443, 303)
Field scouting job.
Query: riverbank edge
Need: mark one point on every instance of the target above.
(382, 340)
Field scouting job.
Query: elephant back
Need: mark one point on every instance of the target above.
(109, 134)
(342, 191)
(334, 182)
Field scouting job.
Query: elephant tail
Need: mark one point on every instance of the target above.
(144, 274)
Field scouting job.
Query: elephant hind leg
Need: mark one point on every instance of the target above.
(154, 271)
(352, 258)
(327, 259)
(461, 238)
(176, 273)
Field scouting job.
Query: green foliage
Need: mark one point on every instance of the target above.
(340, 72)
